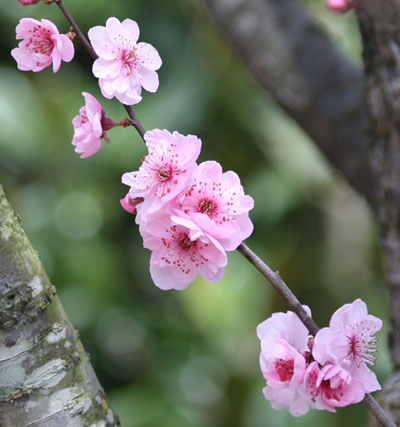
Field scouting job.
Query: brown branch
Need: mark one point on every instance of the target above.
(316, 85)
(276, 281)
(85, 42)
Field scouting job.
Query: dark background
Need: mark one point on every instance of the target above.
(186, 358)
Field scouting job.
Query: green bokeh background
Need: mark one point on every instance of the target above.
(185, 358)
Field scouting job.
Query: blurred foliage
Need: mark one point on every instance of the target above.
(182, 358)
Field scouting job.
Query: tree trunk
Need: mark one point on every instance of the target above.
(46, 379)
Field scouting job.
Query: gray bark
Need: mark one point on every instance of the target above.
(46, 378)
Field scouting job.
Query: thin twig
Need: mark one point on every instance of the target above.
(85, 42)
(277, 282)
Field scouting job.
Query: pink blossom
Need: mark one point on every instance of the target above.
(332, 386)
(90, 126)
(283, 358)
(340, 5)
(180, 252)
(41, 45)
(216, 202)
(165, 171)
(129, 204)
(26, 2)
(351, 342)
(123, 66)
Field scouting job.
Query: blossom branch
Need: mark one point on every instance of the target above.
(277, 282)
(85, 42)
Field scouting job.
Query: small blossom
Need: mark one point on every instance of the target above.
(284, 354)
(216, 202)
(41, 45)
(340, 5)
(123, 66)
(351, 342)
(180, 252)
(26, 2)
(90, 126)
(332, 386)
(165, 171)
(129, 204)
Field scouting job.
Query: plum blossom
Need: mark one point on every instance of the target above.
(129, 205)
(283, 358)
(123, 66)
(41, 46)
(165, 171)
(26, 2)
(90, 126)
(216, 202)
(351, 342)
(181, 251)
(340, 5)
(324, 372)
(332, 386)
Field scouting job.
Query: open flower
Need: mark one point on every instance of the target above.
(283, 358)
(90, 126)
(332, 386)
(41, 45)
(165, 171)
(351, 342)
(180, 252)
(123, 66)
(216, 202)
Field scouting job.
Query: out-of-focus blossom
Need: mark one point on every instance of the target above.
(41, 45)
(26, 2)
(123, 66)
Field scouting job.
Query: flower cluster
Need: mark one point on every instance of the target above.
(324, 372)
(188, 214)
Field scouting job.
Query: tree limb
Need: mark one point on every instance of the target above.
(46, 378)
(296, 62)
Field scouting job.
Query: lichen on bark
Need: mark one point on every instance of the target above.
(46, 378)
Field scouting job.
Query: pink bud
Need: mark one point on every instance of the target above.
(26, 2)
(338, 5)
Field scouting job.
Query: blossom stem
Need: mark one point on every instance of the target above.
(85, 42)
(278, 283)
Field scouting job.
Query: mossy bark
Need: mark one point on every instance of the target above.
(46, 378)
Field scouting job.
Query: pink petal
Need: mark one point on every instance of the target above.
(149, 80)
(131, 30)
(148, 56)
(101, 43)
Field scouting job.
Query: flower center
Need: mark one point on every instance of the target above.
(185, 242)
(164, 173)
(206, 206)
(284, 369)
(128, 59)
